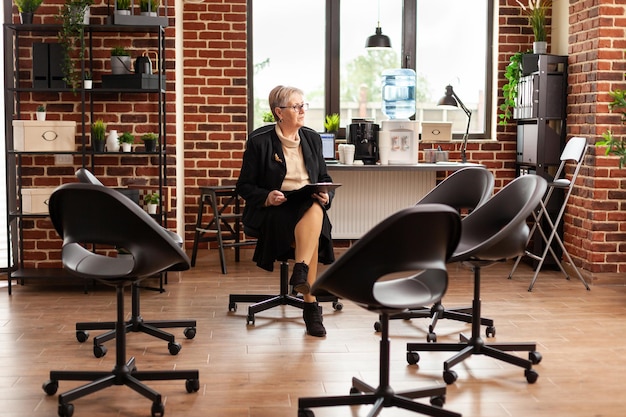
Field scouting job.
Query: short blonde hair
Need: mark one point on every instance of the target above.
(279, 96)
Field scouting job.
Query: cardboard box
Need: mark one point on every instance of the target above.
(44, 136)
(437, 131)
(35, 200)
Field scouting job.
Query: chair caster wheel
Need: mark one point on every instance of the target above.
(250, 319)
(192, 385)
(337, 306)
(190, 332)
(490, 331)
(174, 348)
(412, 358)
(534, 357)
(158, 409)
(232, 307)
(66, 410)
(449, 377)
(431, 337)
(531, 376)
(377, 326)
(99, 351)
(50, 387)
(82, 336)
(438, 400)
(305, 413)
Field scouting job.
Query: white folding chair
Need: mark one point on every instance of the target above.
(574, 151)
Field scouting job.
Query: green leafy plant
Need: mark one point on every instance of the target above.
(27, 6)
(123, 4)
(536, 12)
(149, 5)
(512, 73)
(268, 117)
(87, 75)
(72, 36)
(98, 130)
(119, 51)
(616, 146)
(152, 198)
(126, 137)
(41, 108)
(331, 122)
(150, 136)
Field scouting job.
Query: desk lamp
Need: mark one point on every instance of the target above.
(451, 99)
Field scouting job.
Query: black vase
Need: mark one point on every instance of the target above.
(98, 146)
(27, 18)
(150, 145)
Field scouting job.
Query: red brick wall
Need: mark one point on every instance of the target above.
(215, 91)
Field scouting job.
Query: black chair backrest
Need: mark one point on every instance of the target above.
(417, 238)
(85, 176)
(498, 230)
(91, 214)
(466, 188)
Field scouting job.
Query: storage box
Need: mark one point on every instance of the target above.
(437, 131)
(44, 136)
(35, 200)
(132, 81)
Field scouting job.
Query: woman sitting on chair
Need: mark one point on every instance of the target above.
(280, 158)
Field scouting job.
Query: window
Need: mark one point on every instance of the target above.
(447, 42)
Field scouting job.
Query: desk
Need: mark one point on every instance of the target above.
(371, 193)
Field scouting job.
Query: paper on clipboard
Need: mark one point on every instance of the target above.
(320, 187)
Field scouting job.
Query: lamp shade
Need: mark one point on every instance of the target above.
(448, 99)
(378, 40)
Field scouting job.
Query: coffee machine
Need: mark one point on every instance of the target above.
(363, 134)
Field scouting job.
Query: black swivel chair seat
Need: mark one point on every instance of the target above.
(493, 232)
(464, 190)
(136, 323)
(113, 221)
(412, 247)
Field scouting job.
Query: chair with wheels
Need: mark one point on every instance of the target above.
(136, 323)
(493, 232)
(574, 151)
(399, 264)
(114, 221)
(262, 302)
(463, 190)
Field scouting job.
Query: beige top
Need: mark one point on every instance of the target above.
(297, 175)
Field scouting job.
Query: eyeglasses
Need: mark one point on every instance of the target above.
(296, 107)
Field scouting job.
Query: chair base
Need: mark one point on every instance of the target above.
(264, 302)
(124, 373)
(383, 396)
(135, 324)
(476, 346)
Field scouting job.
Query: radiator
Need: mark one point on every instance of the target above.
(368, 196)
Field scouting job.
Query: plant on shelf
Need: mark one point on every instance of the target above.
(27, 8)
(152, 201)
(125, 140)
(150, 141)
(149, 6)
(41, 112)
(71, 37)
(98, 135)
(120, 60)
(616, 146)
(123, 5)
(536, 12)
(331, 123)
(512, 73)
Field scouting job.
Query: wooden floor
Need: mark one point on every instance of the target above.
(261, 370)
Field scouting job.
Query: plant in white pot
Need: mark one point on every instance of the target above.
(122, 7)
(537, 11)
(149, 7)
(125, 140)
(41, 112)
(152, 202)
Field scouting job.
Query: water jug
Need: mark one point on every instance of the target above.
(398, 93)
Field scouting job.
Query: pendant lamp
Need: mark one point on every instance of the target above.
(378, 40)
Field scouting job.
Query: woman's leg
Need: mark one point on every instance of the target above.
(307, 234)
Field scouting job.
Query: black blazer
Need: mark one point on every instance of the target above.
(264, 169)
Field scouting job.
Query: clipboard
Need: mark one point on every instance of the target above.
(307, 190)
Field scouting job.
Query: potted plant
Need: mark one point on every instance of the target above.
(512, 73)
(149, 7)
(120, 60)
(331, 123)
(41, 112)
(125, 140)
(268, 118)
(73, 15)
(536, 13)
(27, 9)
(98, 135)
(152, 202)
(122, 7)
(614, 145)
(87, 80)
(150, 141)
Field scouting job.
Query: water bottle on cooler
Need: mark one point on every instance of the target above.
(398, 93)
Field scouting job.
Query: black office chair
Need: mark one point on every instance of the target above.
(113, 221)
(136, 323)
(493, 232)
(464, 190)
(411, 247)
(262, 302)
